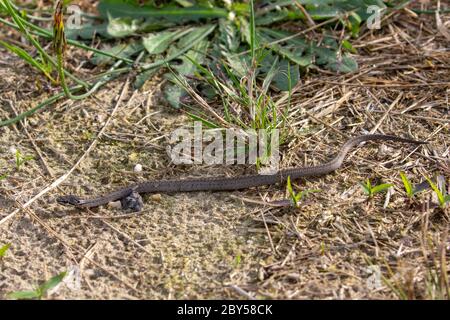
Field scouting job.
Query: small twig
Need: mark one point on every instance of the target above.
(242, 292)
(268, 234)
(393, 104)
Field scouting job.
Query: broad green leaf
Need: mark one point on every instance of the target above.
(275, 40)
(123, 50)
(174, 93)
(229, 37)
(317, 2)
(24, 295)
(122, 27)
(324, 12)
(3, 249)
(320, 9)
(87, 31)
(304, 53)
(381, 187)
(280, 78)
(271, 17)
(344, 64)
(239, 64)
(194, 34)
(288, 75)
(157, 43)
(227, 47)
(142, 77)
(330, 60)
(53, 282)
(178, 15)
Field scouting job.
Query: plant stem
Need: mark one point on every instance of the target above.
(19, 22)
(56, 97)
(94, 88)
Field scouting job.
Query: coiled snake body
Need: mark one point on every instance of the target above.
(128, 194)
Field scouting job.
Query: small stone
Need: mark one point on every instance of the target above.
(115, 205)
(384, 150)
(13, 149)
(138, 168)
(156, 197)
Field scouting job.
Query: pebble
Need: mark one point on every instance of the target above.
(115, 205)
(156, 197)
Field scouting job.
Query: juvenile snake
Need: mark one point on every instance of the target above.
(222, 183)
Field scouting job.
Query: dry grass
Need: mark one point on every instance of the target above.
(213, 245)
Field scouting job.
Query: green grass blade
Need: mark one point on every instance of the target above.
(407, 185)
(27, 58)
(3, 249)
(437, 191)
(207, 123)
(53, 282)
(367, 187)
(291, 191)
(381, 187)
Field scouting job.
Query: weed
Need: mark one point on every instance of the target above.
(371, 190)
(40, 291)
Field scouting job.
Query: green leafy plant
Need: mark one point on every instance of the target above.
(3, 177)
(442, 195)
(297, 196)
(22, 159)
(371, 190)
(210, 32)
(40, 291)
(3, 249)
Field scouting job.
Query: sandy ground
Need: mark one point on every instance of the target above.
(214, 245)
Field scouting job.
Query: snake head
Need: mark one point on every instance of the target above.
(69, 200)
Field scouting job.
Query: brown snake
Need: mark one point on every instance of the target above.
(225, 183)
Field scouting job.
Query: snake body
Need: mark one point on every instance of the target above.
(229, 183)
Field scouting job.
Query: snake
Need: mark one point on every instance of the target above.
(130, 195)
